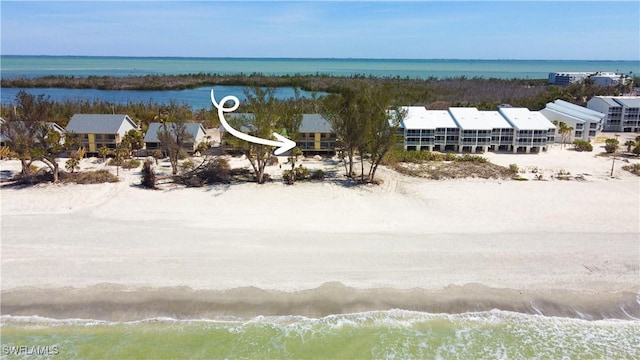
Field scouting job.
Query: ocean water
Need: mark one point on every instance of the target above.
(392, 334)
(31, 66)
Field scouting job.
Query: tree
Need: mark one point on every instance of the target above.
(362, 121)
(564, 131)
(133, 140)
(21, 128)
(384, 133)
(269, 115)
(173, 135)
(341, 111)
(28, 134)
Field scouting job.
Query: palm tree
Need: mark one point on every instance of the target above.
(564, 130)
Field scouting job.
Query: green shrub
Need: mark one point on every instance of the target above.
(187, 165)
(472, 158)
(582, 145)
(299, 173)
(611, 145)
(131, 164)
(514, 168)
(148, 175)
(317, 175)
(634, 169)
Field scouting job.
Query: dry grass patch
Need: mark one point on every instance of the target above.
(88, 177)
(439, 170)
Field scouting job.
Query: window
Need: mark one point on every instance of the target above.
(593, 125)
(592, 133)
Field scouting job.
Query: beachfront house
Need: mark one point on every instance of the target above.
(623, 112)
(19, 125)
(196, 131)
(466, 129)
(586, 123)
(316, 135)
(98, 130)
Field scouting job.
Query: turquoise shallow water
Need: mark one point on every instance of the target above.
(30, 66)
(393, 334)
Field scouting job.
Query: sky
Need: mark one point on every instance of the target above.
(544, 30)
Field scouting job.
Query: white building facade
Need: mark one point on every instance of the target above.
(567, 77)
(586, 123)
(470, 130)
(622, 112)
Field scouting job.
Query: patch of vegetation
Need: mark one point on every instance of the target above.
(298, 174)
(317, 175)
(396, 156)
(433, 165)
(582, 145)
(125, 164)
(148, 175)
(438, 170)
(88, 177)
(634, 169)
(214, 171)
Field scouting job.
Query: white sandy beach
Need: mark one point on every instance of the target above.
(409, 233)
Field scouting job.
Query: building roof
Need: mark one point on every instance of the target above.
(609, 100)
(628, 101)
(98, 123)
(418, 117)
(314, 123)
(524, 119)
(577, 111)
(152, 132)
(469, 118)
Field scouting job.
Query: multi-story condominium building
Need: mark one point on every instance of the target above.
(532, 131)
(608, 79)
(470, 130)
(566, 78)
(622, 112)
(600, 78)
(429, 130)
(586, 123)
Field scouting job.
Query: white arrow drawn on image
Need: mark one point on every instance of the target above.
(283, 144)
